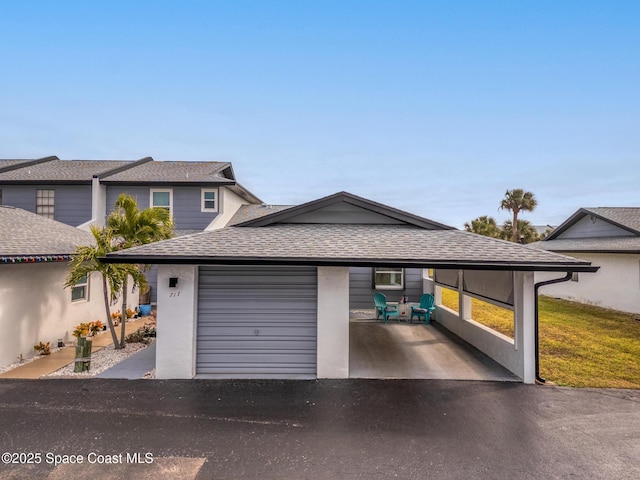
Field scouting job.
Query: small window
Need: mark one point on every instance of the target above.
(79, 292)
(162, 199)
(209, 200)
(45, 203)
(388, 278)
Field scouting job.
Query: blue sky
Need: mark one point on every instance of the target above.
(432, 107)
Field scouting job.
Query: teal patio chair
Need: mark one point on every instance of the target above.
(424, 310)
(383, 309)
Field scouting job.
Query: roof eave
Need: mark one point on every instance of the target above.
(351, 262)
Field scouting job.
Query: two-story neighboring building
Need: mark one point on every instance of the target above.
(199, 195)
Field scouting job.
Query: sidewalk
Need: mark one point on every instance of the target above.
(50, 363)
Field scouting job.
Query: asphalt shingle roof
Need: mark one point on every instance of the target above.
(594, 245)
(62, 171)
(172, 172)
(251, 212)
(25, 233)
(346, 244)
(10, 162)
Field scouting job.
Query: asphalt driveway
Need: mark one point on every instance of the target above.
(316, 429)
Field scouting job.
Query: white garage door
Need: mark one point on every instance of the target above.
(257, 322)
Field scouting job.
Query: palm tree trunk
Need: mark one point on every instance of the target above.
(124, 310)
(106, 307)
(514, 227)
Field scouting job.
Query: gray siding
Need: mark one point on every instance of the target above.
(361, 289)
(72, 202)
(257, 322)
(186, 204)
(345, 214)
(587, 228)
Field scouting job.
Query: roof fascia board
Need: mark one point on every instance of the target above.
(244, 193)
(28, 163)
(195, 260)
(593, 250)
(347, 198)
(122, 168)
(223, 182)
(45, 182)
(569, 222)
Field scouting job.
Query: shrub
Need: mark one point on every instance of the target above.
(43, 348)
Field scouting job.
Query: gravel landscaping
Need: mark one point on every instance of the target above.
(101, 360)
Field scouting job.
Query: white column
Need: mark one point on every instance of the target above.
(524, 317)
(176, 322)
(333, 322)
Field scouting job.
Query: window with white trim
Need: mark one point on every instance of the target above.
(162, 198)
(388, 278)
(209, 200)
(80, 290)
(45, 203)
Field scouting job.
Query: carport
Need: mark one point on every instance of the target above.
(415, 351)
(248, 334)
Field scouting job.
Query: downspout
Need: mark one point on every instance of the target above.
(566, 278)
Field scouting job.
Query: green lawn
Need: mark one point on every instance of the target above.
(580, 345)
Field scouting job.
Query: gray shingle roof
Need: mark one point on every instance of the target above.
(25, 233)
(251, 212)
(335, 244)
(61, 171)
(10, 162)
(172, 172)
(593, 245)
(625, 216)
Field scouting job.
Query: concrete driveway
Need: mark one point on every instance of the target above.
(342, 429)
(404, 350)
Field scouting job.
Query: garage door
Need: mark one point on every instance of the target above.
(257, 322)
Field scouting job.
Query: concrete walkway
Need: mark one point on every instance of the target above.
(133, 367)
(50, 363)
(415, 351)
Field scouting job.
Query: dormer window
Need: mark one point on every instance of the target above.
(162, 199)
(209, 200)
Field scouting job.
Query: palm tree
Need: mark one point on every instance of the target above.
(526, 232)
(85, 260)
(516, 201)
(131, 227)
(484, 225)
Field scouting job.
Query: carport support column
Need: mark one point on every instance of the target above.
(524, 311)
(176, 322)
(333, 322)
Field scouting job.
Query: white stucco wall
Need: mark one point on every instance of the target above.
(227, 208)
(616, 285)
(176, 322)
(333, 322)
(515, 355)
(35, 307)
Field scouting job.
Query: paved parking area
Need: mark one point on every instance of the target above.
(327, 429)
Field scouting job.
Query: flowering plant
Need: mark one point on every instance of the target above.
(88, 329)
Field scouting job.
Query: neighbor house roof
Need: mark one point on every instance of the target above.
(59, 171)
(24, 234)
(251, 212)
(626, 240)
(627, 218)
(592, 245)
(279, 239)
(154, 172)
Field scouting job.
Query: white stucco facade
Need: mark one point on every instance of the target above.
(176, 322)
(333, 322)
(616, 285)
(35, 307)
